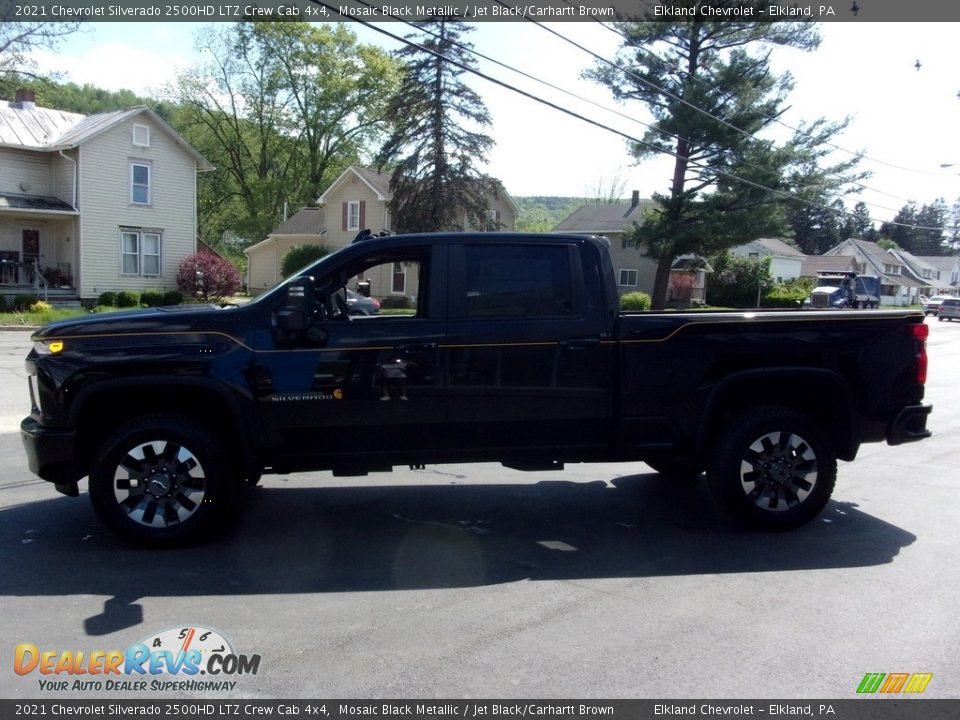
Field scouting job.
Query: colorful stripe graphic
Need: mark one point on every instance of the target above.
(893, 683)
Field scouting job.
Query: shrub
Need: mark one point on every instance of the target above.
(40, 307)
(635, 301)
(396, 302)
(3, 303)
(128, 299)
(208, 277)
(300, 256)
(151, 298)
(107, 299)
(23, 301)
(172, 297)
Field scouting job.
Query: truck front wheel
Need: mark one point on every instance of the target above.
(162, 480)
(773, 468)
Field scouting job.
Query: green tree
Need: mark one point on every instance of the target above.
(920, 230)
(18, 41)
(281, 109)
(736, 281)
(710, 96)
(300, 256)
(431, 149)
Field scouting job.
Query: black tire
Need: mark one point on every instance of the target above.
(679, 470)
(163, 480)
(773, 468)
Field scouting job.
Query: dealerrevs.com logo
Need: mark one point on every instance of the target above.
(187, 659)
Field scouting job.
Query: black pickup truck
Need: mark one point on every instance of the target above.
(514, 350)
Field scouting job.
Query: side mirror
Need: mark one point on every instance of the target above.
(294, 317)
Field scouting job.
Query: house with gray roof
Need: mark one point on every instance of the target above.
(634, 271)
(359, 199)
(786, 261)
(923, 272)
(946, 269)
(897, 287)
(93, 203)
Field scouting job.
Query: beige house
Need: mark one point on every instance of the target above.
(93, 203)
(635, 272)
(357, 200)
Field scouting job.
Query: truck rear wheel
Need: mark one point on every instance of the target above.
(774, 468)
(162, 480)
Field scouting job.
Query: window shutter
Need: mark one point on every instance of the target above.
(363, 214)
(344, 216)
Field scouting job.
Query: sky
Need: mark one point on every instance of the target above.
(906, 120)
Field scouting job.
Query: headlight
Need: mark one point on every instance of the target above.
(50, 347)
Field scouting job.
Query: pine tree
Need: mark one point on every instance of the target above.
(689, 74)
(433, 152)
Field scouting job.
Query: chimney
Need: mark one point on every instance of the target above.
(634, 199)
(25, 99)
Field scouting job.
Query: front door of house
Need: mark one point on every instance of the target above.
(31, 252)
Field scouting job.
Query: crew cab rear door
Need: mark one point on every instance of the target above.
(531, 362)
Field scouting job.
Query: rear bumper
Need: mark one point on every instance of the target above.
(909, 425)
(50, 454)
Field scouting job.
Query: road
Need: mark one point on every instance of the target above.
(602, 581)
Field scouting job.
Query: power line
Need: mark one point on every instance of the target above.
(595, 123)
(706, 84)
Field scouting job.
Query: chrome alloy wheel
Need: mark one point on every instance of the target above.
(778, 471)
(159, 484)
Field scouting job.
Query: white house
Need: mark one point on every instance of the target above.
(93, 203)
(786, 261)
(897, 287)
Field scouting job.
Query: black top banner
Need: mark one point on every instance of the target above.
(506, 709)
(478, 10)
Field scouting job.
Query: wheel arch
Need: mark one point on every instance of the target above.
(100, 409)
(822, 395)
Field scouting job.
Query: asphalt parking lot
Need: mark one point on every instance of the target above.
(602, 581)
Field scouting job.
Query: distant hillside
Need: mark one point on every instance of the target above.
(542, 214)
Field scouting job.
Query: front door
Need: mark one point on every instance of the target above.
(359, 387)
(31, 253)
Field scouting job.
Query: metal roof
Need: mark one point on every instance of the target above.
(33, 128)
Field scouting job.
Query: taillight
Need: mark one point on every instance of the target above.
(920, 333)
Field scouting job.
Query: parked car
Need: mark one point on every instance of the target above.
(932, 304)
(358, 304)
(949, 309)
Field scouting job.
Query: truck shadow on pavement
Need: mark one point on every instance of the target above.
(297, 539)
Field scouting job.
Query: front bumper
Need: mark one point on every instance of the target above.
(50, 454)
(909, 425)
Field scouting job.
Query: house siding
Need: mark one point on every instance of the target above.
(25, 173)
(352, 189)
(106, 207)
(265, 261)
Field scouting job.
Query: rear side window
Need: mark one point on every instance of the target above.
(505, 281)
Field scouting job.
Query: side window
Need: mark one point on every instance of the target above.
(528, 281)
(383, 285)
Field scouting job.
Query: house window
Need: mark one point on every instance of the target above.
(140, 252)
(141, 135)
(753, 256)
(891, 269)
(140, 183)
(353, 215)
(628, 278)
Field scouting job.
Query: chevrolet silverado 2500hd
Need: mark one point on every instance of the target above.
(514, 350)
